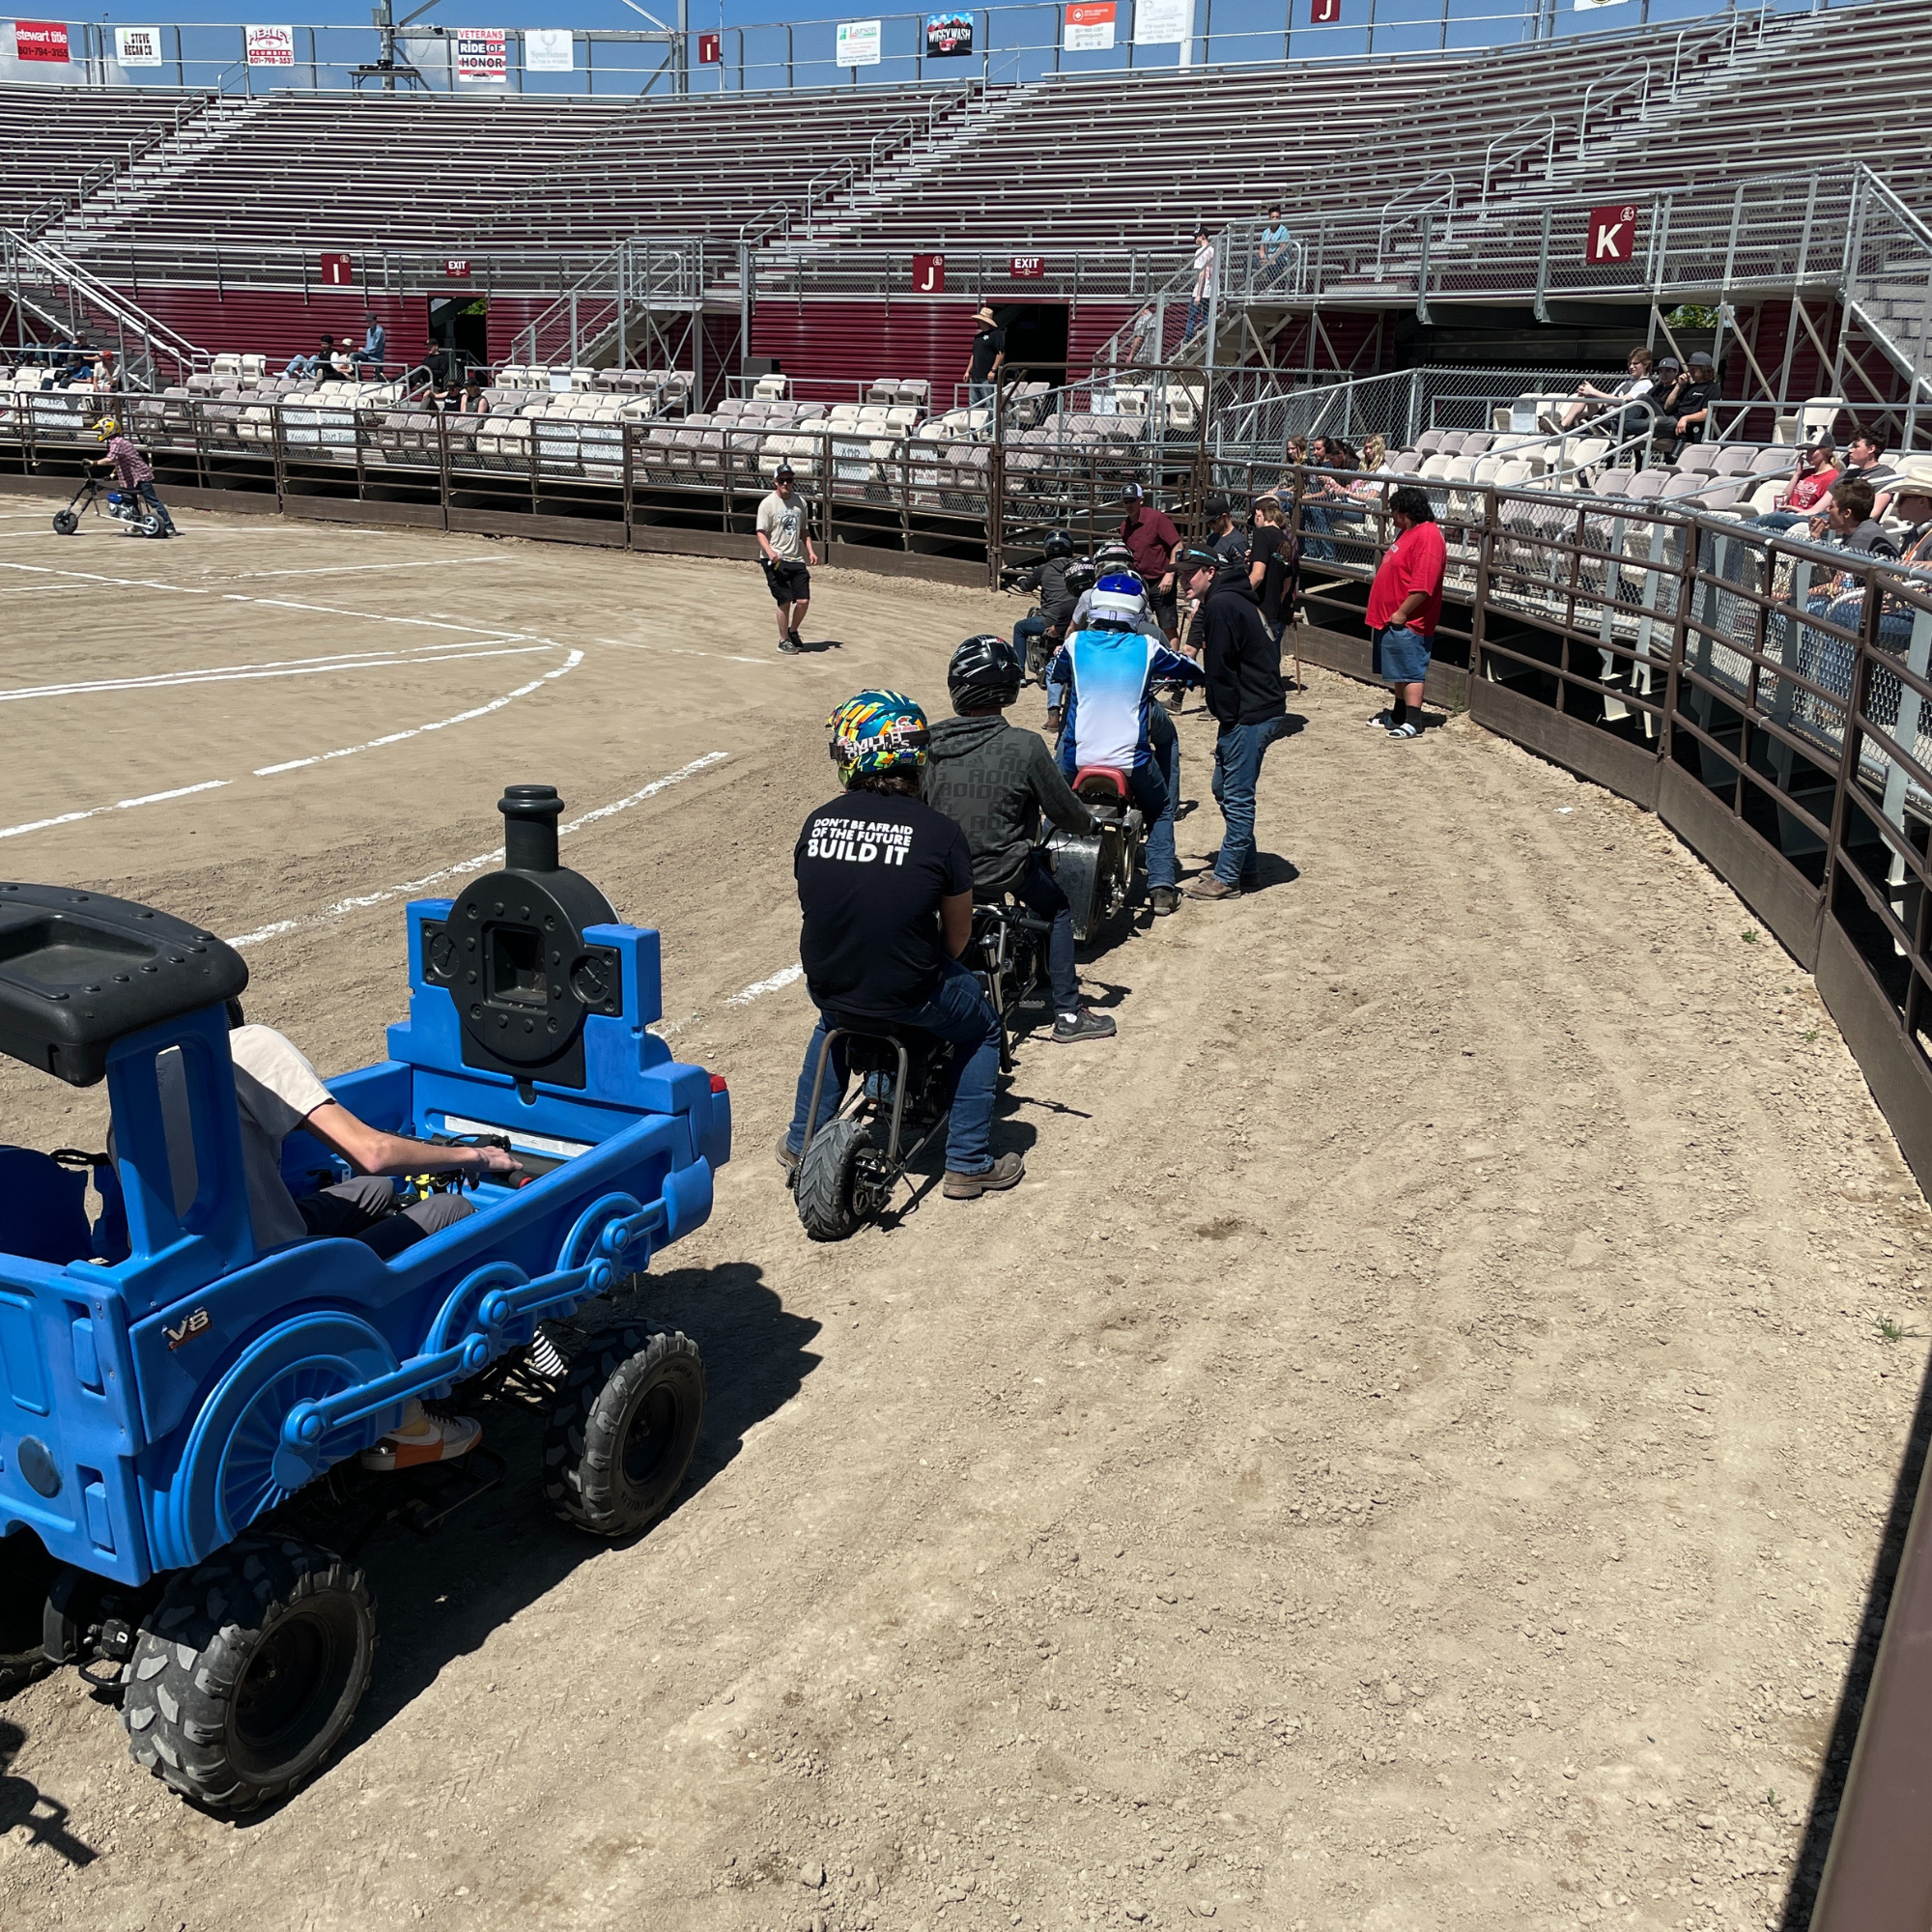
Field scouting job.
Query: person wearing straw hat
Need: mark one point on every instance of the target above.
(985, 360)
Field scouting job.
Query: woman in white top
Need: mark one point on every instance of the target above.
(1203, 285)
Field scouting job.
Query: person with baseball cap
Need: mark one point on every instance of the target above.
(1152, 537)
(784, 541)
(1242, 658)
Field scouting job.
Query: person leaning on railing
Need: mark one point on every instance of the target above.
(1839, 596)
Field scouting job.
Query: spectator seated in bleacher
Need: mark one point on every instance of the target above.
(474, 403)
(312, 365)
(1685, 400)
(1619, 412)
(1803, 499)
(375, 347)
(1840, 596)
(1327, 498)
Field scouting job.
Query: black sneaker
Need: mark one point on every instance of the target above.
(1083, 1025)
(795, 640)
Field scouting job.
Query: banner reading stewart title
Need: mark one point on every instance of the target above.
(41, 41)
(948, 36)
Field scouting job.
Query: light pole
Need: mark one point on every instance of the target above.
(388, 26)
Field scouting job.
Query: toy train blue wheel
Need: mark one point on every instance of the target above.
(226, 1478)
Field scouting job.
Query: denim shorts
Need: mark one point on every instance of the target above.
(1401, 657)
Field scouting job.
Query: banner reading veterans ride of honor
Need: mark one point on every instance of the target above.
(948, 36)
(270, 47)
(859, 43)
(483, 55)
(137, 47)
(1090, 27)
(549, 51)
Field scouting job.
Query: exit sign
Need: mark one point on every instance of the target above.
(1028, 267)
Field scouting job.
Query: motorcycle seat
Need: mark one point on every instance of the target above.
(1100, 781)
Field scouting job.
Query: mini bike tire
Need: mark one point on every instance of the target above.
(213, 1701)
(66, 523)
(599, 1473)
(826, 1178)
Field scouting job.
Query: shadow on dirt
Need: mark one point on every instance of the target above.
(442, 1596)
(23, 1804)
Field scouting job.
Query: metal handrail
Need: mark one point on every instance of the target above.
(1391, 222)
(1528, 146)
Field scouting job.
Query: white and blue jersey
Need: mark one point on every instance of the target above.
(1109, 678)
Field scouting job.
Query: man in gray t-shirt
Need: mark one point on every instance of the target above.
(276, 1091)
(785, 550)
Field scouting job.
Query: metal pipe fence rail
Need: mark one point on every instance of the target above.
(1770, 699)
(1030, 40)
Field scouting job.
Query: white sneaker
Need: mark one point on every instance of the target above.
(423, 1437)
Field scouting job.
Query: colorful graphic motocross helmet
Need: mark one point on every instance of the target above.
(877, 732)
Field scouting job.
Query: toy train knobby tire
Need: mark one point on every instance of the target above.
(182, 1408)
(623, 1430)
(249, 1671)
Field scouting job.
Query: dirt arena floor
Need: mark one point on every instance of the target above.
(1409, 1457)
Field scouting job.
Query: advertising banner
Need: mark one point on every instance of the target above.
(270, 47)
(1161, 23)
(1612, 235)
(549, 51)
(858, 44)
(948, 36)
(1090, 27)
(40, 41)
(482, 55)
(137, 47)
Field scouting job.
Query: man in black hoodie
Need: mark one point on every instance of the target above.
(995, 783)
(1243, 667)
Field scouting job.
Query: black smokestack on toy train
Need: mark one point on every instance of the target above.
(514, 955)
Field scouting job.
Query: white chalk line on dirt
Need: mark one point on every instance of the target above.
(563, 669)
(679, 650)
(346, 569)
(784, 976)
(272, 603)
(120, 805)
(292, 668)
(493, 857)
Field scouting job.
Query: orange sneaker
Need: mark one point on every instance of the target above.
(423, 1437)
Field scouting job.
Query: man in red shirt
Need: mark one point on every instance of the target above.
(1151, 535)
(1405, 608)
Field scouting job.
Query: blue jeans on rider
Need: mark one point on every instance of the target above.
(147, 495)
(1024, 634)
(1039, 891)
(1238, 769)
(956, 1011)
(1149, 790)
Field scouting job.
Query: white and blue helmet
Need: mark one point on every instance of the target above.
(1117, 603)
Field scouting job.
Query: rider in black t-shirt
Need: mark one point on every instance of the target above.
(886, 885)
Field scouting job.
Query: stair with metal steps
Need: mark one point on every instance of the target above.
(112, 213)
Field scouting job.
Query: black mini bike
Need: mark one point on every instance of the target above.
(900, 1083)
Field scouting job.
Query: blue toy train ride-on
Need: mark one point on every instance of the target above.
(181, 1414)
